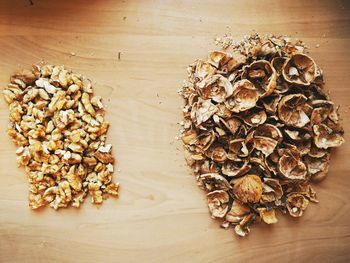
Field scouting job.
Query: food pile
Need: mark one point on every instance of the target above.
(258, 128)
(60, 130)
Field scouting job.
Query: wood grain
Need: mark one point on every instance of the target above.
(161, 215)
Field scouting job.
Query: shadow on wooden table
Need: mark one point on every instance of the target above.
(65, 16)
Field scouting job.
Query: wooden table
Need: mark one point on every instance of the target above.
(161, 215)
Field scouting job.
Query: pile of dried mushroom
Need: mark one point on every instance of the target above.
(258, 127)
(60, 130)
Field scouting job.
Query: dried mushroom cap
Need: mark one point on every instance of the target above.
(291, 166)
(215, 87)
(256, 115)
(325, 137)
(218, 203)
(291, 110)
(248, 188)
(262, 75)
(300, 69)
(296, 204)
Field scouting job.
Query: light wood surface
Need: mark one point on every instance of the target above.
(161, 215)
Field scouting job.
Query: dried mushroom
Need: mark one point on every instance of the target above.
(258, 128)
(60, 130)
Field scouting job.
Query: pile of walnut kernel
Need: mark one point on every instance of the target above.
(60, 130)
(258, 128)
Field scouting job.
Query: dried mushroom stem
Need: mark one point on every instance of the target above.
(257, 129)
(60, 130)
